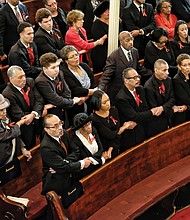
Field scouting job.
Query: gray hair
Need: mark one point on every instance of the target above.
(12, 70)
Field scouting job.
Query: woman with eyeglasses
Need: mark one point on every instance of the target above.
(180, 43)
(164, 18)
(106, 121)
(79, 78)
(76, 35)
(159, 48)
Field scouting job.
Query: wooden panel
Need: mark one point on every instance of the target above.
(130, 168)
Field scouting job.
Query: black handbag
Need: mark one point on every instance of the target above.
(10, 171)
(72, 194)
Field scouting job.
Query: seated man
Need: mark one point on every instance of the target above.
(132, 106)
(10, 141)
(123, 57)
(26, 102)
(52, 86)
(24, 53)
(47, 38)
(59, 153)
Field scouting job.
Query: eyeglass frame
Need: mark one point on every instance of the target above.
(56, 126)
(134, 77)
(73, 56)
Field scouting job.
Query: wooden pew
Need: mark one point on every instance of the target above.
(28, 185)
(135, 180)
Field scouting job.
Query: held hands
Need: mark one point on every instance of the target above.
(101, 40)
(28, 118)
(27, 154)
(87, 162)
(157, 110)
(105, 155)
(76, 100)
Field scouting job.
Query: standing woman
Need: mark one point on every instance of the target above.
(79, 78)
(164, 18)
(106, 121)
(180, 43)
(100, 28)
(76, 35)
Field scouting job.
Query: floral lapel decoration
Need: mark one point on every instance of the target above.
(59, 85)
(167, 49)
(180, 45)
(114, 120)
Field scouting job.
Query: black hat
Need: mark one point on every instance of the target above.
(101, 8)
(80, 120)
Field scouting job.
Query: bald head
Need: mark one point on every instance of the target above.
(126, 40)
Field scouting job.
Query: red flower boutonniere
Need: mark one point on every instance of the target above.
(114, 120)
(144, 13)
(167, 49)
(57, 35)
(180, 45)
(59, 85)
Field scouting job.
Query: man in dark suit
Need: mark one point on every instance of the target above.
(24, 53)
(138, 19)
(9, 20)
(52, 86)
(123, 57)
(47, 38)
(132, 106)
(159, 93)
(26, 102)
(59, 153)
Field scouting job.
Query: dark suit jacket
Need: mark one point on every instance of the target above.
(45, 43)
(133, 21)
(130, 111)
(18, 55)
(181, 8)
(59, 94)
(8, 27)
(18, 108)
(54, 156)
(182, 95)
(155, 99)
(6, 137)
(112, 75)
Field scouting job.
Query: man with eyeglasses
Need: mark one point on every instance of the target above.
(123, 57)
(60, 158)
(132, 106)
(47, 38)
(53, 88)
(159, 93)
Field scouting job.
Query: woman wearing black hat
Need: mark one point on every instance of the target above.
(87, 139)
(100, 28)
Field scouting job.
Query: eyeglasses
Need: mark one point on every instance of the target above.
(73, 56)
(168, 6)
(54, 3)
(56, 126)
(135, 77)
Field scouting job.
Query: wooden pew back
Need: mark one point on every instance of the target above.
(130, 168)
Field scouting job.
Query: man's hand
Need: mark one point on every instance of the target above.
(157, 110)
(29, 118)
(76, 100)
(129, 124)
(46, 107)
(135, 33)
(51, 170)
(27, 154)
(3, 57)
(87, 162)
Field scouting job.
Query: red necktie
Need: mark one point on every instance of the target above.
(25, 95)
(137, 99)
(31, 55)
(63, 145)
(162, 89)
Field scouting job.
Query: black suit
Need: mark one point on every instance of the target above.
(130, 111)
(132, 20)
(181, 8)
(55, 92)
(182, 95)
(8, 27)
(45, 43)
(112, 75)
(155, 99)
(65, 165)
(19, 108)
(18, 55)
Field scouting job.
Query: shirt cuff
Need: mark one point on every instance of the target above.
(82, 163)
(103, 160)
(37, 116)
(94, 162)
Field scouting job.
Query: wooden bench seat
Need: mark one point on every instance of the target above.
(147, 192)
(28, 185)
(160, 163)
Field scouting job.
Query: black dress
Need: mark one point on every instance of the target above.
(99, 53)
(107, 130)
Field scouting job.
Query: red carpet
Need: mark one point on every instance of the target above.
(183, 214)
